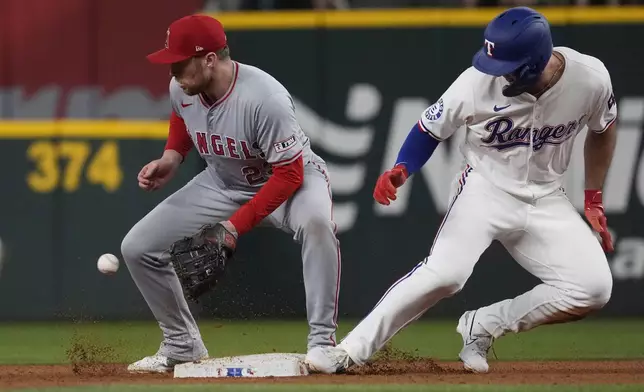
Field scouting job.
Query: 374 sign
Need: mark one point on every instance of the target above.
(63, 165)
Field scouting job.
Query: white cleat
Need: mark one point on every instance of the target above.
(327, 360)
(476, 344)
(154, 364)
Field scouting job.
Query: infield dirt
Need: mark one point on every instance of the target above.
(421, 371)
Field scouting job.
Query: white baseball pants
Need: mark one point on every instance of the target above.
(547, 237)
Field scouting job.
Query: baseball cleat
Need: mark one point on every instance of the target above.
(154, 364)
(327, 360)
(476, 343)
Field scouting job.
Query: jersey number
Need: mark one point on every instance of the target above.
(253, 174)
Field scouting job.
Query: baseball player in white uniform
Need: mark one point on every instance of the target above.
(260, 171)
(521, 105)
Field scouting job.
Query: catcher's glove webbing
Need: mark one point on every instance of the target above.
(200, 260)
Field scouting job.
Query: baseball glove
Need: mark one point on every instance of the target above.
(200, 260)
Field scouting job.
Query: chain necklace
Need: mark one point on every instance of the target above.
(552, 78)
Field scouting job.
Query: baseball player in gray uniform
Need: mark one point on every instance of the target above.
(260, 171)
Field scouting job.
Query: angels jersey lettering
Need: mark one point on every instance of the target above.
(245, 133)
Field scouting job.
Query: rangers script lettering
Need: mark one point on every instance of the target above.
(503, 134)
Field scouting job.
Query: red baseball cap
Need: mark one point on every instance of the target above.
(190, 36)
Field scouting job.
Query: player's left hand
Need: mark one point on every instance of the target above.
(594, 211)
(224, 236)
(200, 260)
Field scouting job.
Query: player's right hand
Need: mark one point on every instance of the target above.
(387, 184)
(157, 173)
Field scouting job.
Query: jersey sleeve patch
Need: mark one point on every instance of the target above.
(285, 145)
(611, 101)
(605, 112)
(435, 111)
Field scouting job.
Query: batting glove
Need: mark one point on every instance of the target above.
(387, 184)
(594, 211)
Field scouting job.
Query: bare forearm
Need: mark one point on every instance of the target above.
(598, 154)
(173, 156)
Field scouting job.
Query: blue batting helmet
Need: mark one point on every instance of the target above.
(518, 43)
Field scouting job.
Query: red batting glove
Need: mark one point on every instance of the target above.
(594, 211)
(388, 182)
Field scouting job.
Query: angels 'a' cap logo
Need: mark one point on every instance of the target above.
(190, 36)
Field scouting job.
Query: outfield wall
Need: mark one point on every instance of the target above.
(82, 112)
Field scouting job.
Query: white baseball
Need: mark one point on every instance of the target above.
(108, 263)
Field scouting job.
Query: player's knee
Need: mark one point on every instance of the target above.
(317, 224)
(599, 287)
(132, 248)
(596, 289)
(450, 280)
(454, 282)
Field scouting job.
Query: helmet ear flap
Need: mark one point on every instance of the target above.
(529, 73)
(524, 72)
(525, 76)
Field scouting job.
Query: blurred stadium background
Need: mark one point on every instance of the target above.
(81, 111)
(237, 5)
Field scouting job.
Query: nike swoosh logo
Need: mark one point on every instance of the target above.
(498, 109)
(470, 341)
(185, 105)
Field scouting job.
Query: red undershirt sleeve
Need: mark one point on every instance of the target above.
(178, 137)
(286, 179)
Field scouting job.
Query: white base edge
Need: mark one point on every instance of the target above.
(251, 366)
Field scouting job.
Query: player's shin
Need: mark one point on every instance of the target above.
(163, 293)
(405, 301)
(544, 304)
(322, 268)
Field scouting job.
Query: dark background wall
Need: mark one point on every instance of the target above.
(69, 189)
